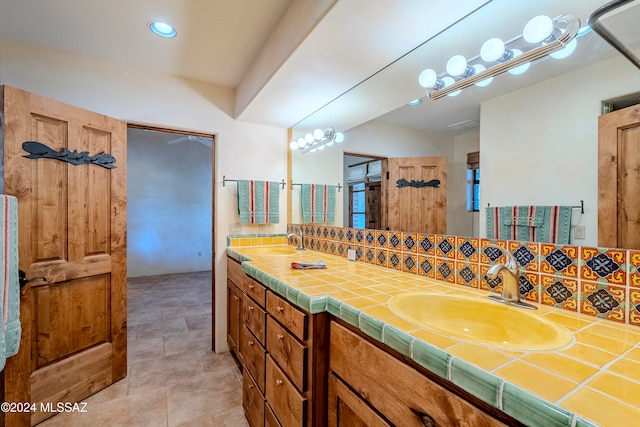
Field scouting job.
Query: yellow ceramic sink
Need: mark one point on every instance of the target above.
(481, 321)
(270, 250)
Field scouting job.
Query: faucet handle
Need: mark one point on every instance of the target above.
(511, 262)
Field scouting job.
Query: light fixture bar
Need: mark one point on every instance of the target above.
(317, 140)
(573, 25)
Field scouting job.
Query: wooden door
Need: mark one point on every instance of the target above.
(416, 191)
(373, 194)
(72, 232)
(619, 179)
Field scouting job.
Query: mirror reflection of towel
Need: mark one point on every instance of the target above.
(318, 203)
(259, 202)
(546, 224)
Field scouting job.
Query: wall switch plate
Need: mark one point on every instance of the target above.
(579, 232)
(235, 227)
(351, 254)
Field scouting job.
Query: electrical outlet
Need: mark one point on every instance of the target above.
(579, 232)
(351, 254)
(235, 227)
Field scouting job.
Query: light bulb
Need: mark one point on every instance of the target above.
(339, 137)
(538, 29)
(448, 81)
(309, 138)
(521, 69)
(293, 145)
(301, 142)
(318, 134)
(566, 51)
(457, 65)
(479, 69)
(428, 78)
(494, 50)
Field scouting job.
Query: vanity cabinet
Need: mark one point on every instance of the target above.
(369, 386)
(283, 352)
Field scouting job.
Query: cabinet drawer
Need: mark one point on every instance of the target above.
(255, 290)
(252, 401)
(287, 403)
(254, 318)
(235, 273)
(289, 354)
(270, 419)
(253, 355)
(293, 319)
(399, 392)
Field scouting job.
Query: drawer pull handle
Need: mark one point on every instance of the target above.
(235, 297)
(250, 307)
(250, 286)
(250, 342)
(279, 309)
(250, 386)
(280, 336)
(278, 382)
(427, 420)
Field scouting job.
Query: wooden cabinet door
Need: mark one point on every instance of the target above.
(421, 208)
(72, 232)
(346, 409)
(234, 310)
(619, 179)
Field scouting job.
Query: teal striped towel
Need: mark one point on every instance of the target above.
(546, 224)
(10, 287)
(259, 202)
(318, 203)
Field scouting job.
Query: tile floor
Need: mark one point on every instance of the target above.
(174, 379)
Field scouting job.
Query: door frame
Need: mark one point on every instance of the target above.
(214, 147)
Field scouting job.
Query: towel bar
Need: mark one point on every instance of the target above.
(339, 186)
(225, 180)
(581, 207)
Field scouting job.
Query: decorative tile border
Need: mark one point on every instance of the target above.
(599, 282)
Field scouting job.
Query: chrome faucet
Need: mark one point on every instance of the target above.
(510, 275)
(297, 235)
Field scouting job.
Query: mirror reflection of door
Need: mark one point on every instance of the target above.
(422, 205)
(364, 192)
(619, 178)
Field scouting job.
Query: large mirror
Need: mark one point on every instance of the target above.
(537, 133)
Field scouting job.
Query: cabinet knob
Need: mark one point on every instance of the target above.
(250, 307)
(426, 419)
(280, 336)
(279, 309)
(278, 382)
(250, 386)
(235, 297)
(250, 286)
(250, 342)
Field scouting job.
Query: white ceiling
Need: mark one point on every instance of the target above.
(349, 60)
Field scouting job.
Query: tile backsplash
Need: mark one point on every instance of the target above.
(599, 282)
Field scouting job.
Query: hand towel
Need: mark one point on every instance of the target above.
(546, 224)
(318, 203)
(10, 288)
(259, 202)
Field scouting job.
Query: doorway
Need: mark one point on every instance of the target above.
(169, 197)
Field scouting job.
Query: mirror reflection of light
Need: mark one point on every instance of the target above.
(448, 81)
(521, 69)
(566, 51)
(479, 69)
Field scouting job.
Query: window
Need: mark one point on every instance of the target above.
(473, 182)
(358, 206)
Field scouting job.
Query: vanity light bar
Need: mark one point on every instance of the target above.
(559, 42)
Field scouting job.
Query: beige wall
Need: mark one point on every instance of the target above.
(244, 151)
(539, 145)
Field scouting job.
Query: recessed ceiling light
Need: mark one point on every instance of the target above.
(415, 102)
(162, 29)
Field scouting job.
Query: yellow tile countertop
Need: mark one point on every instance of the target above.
(595, 380)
